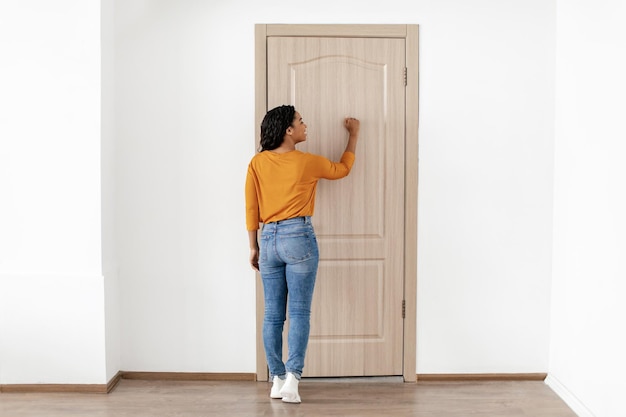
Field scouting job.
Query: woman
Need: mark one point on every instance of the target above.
(280, 193)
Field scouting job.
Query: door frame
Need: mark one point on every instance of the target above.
(410, 34)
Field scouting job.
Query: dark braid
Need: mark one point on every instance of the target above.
(274, 126)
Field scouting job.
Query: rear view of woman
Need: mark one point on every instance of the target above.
(280, 193)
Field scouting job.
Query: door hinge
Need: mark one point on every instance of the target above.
(405, 77)
(403, 309)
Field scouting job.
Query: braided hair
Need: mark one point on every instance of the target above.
(274, 125)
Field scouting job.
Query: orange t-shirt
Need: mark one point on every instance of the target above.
(282, 186)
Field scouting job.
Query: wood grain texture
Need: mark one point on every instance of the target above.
(338, 31)
(134, 398)
(411, 166)
(356, 319)
(112, 384)
(55, 388)
(260, 108)
(114, 381)
(409, 33)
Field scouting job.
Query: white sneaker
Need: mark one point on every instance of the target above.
(276, 387)
(289, 392)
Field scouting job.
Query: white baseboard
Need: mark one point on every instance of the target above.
(566, 395)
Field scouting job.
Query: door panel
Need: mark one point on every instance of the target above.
(356, 321)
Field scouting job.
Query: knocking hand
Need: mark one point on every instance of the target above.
(352, 125)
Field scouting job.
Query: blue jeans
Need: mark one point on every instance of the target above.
(288, 263)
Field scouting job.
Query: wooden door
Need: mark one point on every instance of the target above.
(357, 313)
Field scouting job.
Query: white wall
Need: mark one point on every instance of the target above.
(108, 180)
(587, 334)
(184, 106)
(51, 288)
(485, 186)
(177, 133)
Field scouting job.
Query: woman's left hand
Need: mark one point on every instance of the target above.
(254, 259)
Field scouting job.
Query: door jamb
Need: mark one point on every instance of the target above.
(411, 36)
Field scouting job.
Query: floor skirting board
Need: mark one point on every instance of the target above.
(110, 386)
(57, 388)
(568, 398)
(187, 376)
(481, 377)
(204, 376)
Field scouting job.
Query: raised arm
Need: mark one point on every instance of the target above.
(352, 125)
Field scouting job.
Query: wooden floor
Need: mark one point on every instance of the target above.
(319, 398)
